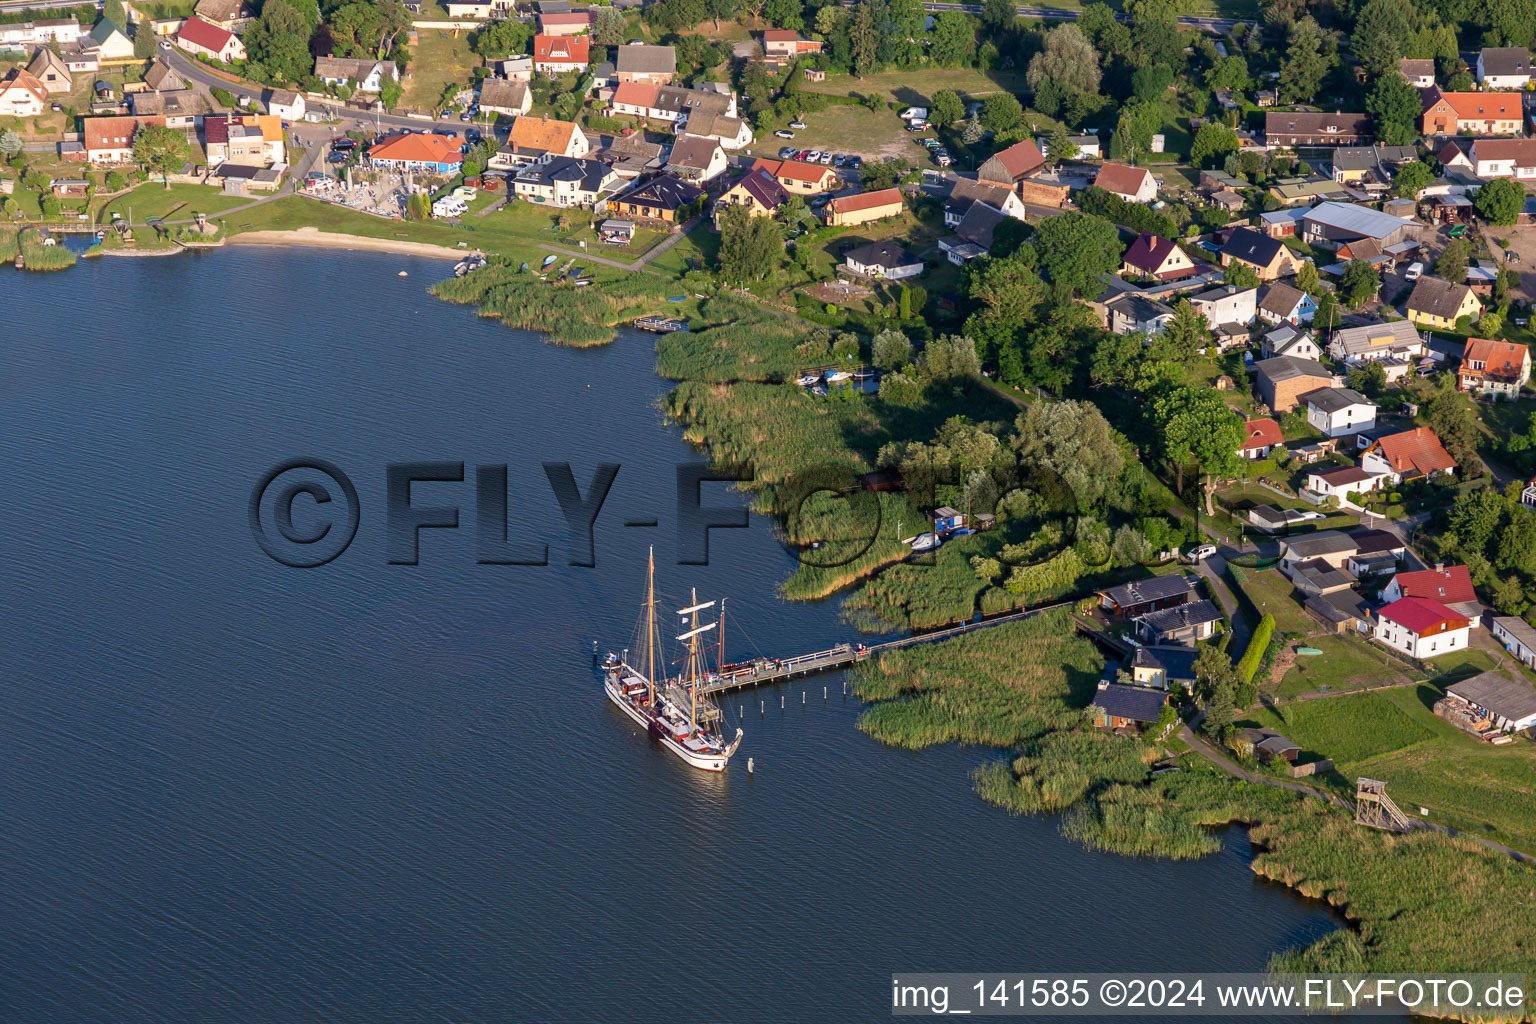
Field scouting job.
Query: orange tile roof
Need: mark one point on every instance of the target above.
(794, 169)
(1496, 356)
(1418, 449)
(1495, 106)
(865, 201)
(543, 133)
(1120, 179)
(636, 94)
(20, 78)
(561, 49)
(114, 132)
(1261, 433)
(418, 147)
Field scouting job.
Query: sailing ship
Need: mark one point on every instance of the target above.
(672, 711)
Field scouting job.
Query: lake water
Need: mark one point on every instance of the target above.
(236, 791)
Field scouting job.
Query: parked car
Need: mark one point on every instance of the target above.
(942, 159)
(839, 160)
(784, 134)
(344, 145)
(826, 158)
(788, 153)
(814, 156)
(1414, 272)
(1309, 516)
(797, 125)
(465, 116)
(855, 162)
(1201, 553)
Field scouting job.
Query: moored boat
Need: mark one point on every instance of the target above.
(548, 260)
(838, 376)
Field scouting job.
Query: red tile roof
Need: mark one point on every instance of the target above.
(1420, 615)
(1120, 179)
(561, 49)
(781, 35)
(1450, 584)
(563, 18)
(865, 200)
(810, 173)
(636, 94)
(1417, 449)
(1021, 159)
(114, 132)
(1261, 432)
(1149, 251)
(20, 78)
(205, 34)
(1502, 358)
(418, 147)
(1489, 106)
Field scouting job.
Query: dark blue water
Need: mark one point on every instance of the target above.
(236, 791)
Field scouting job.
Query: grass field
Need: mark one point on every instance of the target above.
(441, 56)
(868, 133)
(179, 202)
(910, 89)
(1272, 593)
(1393, 735)
(1347, 663)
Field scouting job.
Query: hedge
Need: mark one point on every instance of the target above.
(1249, 665)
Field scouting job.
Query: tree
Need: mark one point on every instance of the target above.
(1394, 107)
(1072, 442)
(161, 149)
(1212, 143)
(390, 92)
(903, 42)
(1007, 292)
(997, 16)
(1453, 419)
(954, 40)
(1227, 73)
(608, 28)
(945, 108)
(1499, 201)
(1411, 179)
(1305, 63)
(1150, 84)
(1186, 334)
(1002, 112)
(1075, 250)
(1370, 378)
(891, 350)
(864, 38)
(10, 144)
(783, 13)
(143, 43)
(1327, 315)
(1067, 59)
(356, 29)
(504, 36)
(1381, 37)
(1306, 278)
(1359, 282)
(418, 207)
(113, 11)
(1452, 264)
(1196, 426)
(750, 247)
(1241, 275)
(1061, 145)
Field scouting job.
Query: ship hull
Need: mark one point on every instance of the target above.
(656, 728)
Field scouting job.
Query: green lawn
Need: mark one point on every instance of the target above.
(1393, 735)
(870, 134)
(441, 56)
(1272, 593)
(179, 202)
(702, 244)
(1347, 663)
(909, 89)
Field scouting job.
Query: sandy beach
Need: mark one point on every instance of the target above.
(315, 238)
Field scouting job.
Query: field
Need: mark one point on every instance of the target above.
(1272, 593)
(868, 133)
(179, 202)
(440, 57)
(1393, 735)
(897, 86)
(1347, 663)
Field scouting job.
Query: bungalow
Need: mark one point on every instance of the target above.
(865, 207)
(1508, 704)
(1011, 166)
(758, 190)
(1282, 223)
(1470, 113)
(665, 198)
(479, 10)
(1186, 624)
(517, 68)
(1317, 578)
(565, 181)
(1156, 257)
(1450, 585)
(1409, 455)
(886, 260)
(1133, 184)
(22, 34)
(504, 96)
(785, 44)
(967, 193)
(419, 151)
(1397, 343)
(1225, 304)
(1134, 313)
(696, 159)
(1286, 340)
(1283, 304)
(1271, 746)
(1163, 668)
(1493, 369)
(1268, 258)
(973, 235)
(1339, 412)
(364, 74)
(287, 105)
(1141, 596)
(1420, 72)
(557, 55)
(799, 178)
(539, 140)
(81, 61)
(1289, 129)
(1438, 303)
(1294, 191)
(1330, 225)
(109, 140)
(1377, 552)
(646, 64)
(1338, 482)
(22, 95)
(1127, 707)
(205, 39)
(1333, 547)
(1421, 628)
(1504, 158)
(1281, 381)
(49, 69)
(1517, 636)
(181, 108)
(1503, 67)
(1260, 437)
(111, 43)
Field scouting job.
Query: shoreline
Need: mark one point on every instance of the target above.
(314, 238)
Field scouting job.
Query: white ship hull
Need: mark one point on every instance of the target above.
(705, 755)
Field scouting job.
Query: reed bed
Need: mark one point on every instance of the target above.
(567, 315)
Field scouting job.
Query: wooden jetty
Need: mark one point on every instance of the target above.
(661, 324)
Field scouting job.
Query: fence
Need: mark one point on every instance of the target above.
(1298, 771)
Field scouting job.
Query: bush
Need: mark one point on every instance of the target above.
(1257, 646)
(1136, 216)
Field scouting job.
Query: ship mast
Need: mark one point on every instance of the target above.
(695, 659)
(650, 630)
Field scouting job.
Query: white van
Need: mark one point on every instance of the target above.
(1414, 272)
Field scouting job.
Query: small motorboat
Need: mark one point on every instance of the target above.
(863, 374)
(838, 376)
(548, 260)
(806, 380)
(402, 274)
(819, 391)
(925, 542)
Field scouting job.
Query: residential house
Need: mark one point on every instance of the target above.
(799, 178)
(365, 75)
(1377, 553)
(205, 39)
(1421, 628)
(973, 235)
(785, 44)
(1134, 313)
(1528, 495)
(1493, 369)
(1149, 595)
(249, 140)
(1186, 624)
(696, 159)
(1281, 381)
(1283, 304)
(1504, 158)
(966, 192)
(289, 106)
(161, 77)
(111, 43)
(1157, 257)
(1330, 225)
(1369, 167)
(539, 140)
(1269, 745)
(1450, 585)
(181, 108)
(557, 55)
(1419, 72)
(109, 140)
(20, 35)
(1438, 303)
(1504, 704)
(1133, 184)
(1470, 113)
(1011, 166)
(865, 207)
(1286, 340)
(1260, 437)
(1282, 223)
(504, 96)
(646, 64)
(664, 198)
(1338, 482)
(1317, 578)
(230, 15)
(419, 151)
(22, 94)
(1163, 668)
(758, 190)
(565, 181)
(1409, 455)
(1293, 191)
(1333, 547)
(517, 68)
(49, 69)
(1268, 258)
(1226, 306)
(82, 61)
(1397, 345)
(732, 132)
(1290, 129)
(630, 155)
(1517, 636)
(1503, 67)
(565, 23)
(1339, 412)
(1127, 707)
(885, 259)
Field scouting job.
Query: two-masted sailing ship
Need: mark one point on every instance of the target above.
(672, 710)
